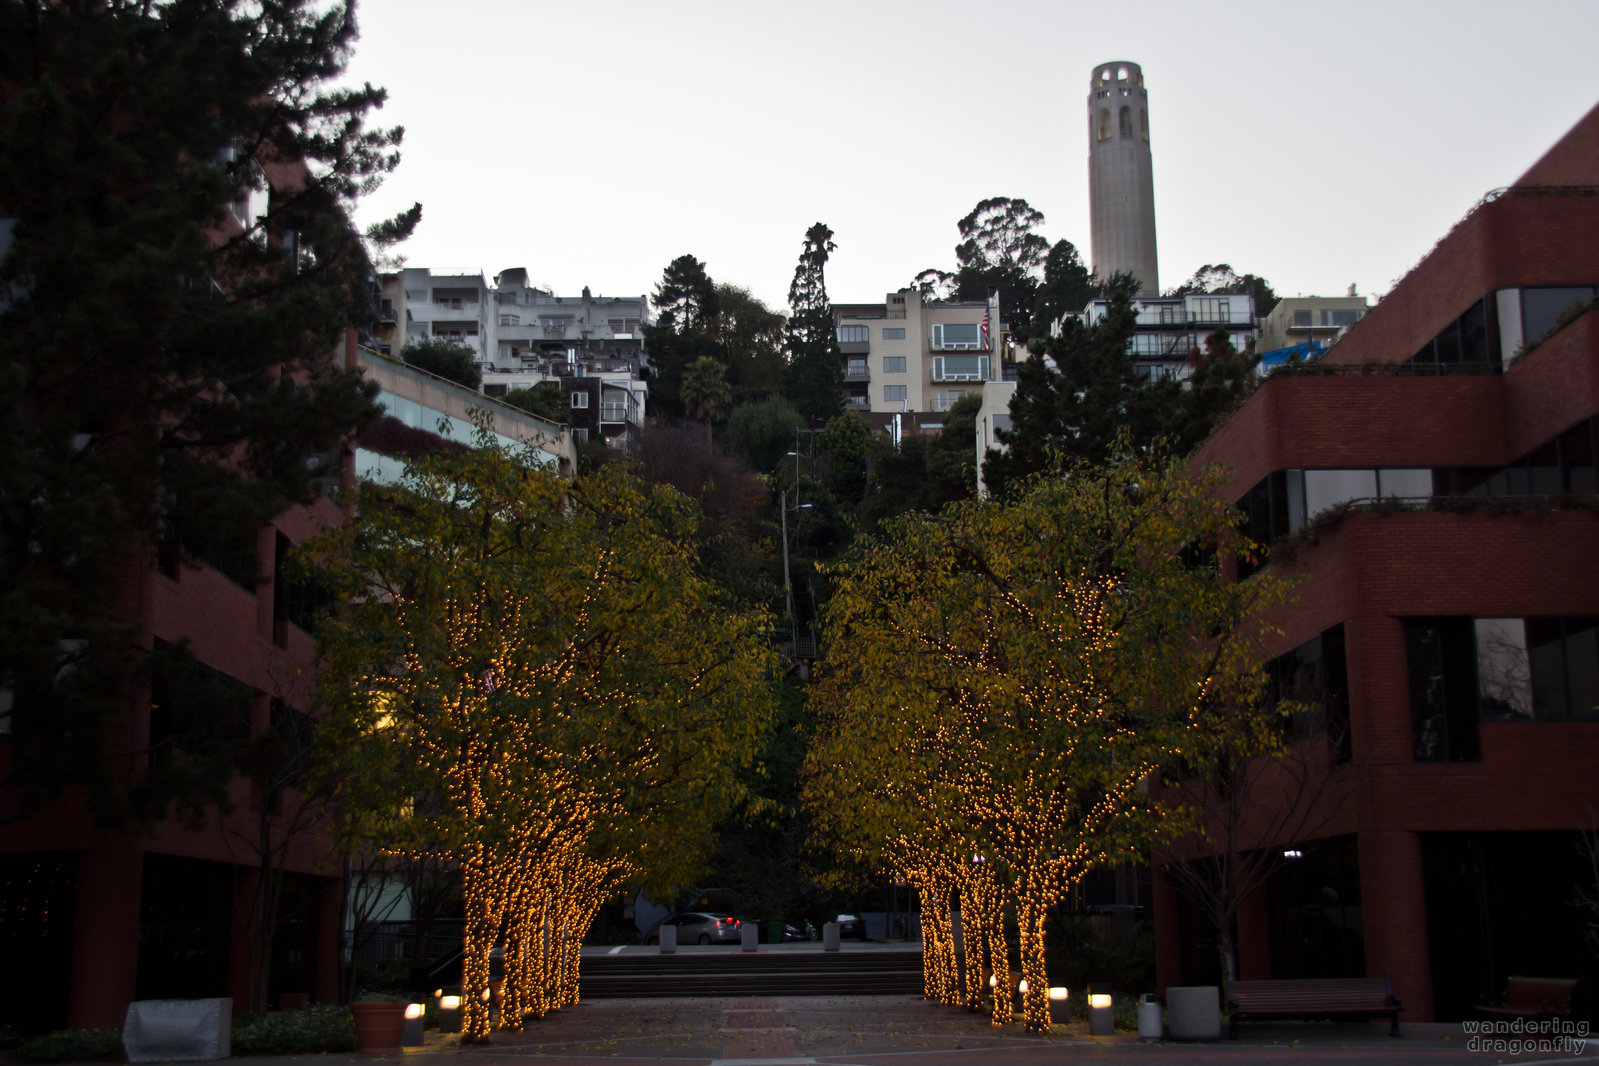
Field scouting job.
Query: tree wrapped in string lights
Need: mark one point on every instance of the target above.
(1003, 677)
(534, 670)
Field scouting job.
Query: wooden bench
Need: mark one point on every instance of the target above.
(1533, 997)
(1324, 997)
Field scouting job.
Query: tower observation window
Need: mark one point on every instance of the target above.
(1126, 121)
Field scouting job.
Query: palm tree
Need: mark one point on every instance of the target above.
(705, 391)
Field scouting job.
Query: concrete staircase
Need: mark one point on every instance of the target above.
(731, 972)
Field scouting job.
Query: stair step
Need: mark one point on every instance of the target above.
(752, 974)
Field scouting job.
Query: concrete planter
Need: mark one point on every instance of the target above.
(748, 936)
(668, 940)
(1193, 1012)
(178, 1030)
(830, 936)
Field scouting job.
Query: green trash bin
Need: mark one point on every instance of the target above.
(774, 932)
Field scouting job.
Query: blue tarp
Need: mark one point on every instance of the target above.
(1304, 352)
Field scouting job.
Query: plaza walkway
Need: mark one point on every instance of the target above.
(904, 1030)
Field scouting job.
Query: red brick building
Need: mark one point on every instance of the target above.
(1433, 488)
(94, 919)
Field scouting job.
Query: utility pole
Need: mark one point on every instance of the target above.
(788, 587)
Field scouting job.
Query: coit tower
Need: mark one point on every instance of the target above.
(1121, 187)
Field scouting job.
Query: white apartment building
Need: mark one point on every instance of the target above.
(523, 336)
(908, 355)
(1169, 327)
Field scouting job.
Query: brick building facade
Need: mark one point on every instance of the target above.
(1432, 487)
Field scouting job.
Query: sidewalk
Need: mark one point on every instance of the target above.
(902, 1030)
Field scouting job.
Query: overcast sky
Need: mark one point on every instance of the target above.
(1315, 144)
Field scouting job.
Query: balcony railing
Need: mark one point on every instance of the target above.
(613, 412)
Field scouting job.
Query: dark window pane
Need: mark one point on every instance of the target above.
(1443, 689)
(1576, 455)
(1474, 334)
(1449, 344)
(1582, 666)
(1543, 470)
(1474, 480)
(1541, 308)
(1336, 671)
(1546, 654)
(1279, 504)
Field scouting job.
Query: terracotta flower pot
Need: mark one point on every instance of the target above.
(378, 1026)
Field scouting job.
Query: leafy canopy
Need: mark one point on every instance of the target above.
(519, 647)
(450, 360)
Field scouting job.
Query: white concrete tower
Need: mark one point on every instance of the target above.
(1121, 184)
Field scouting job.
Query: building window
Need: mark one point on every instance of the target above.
(956, 335)
(1443, 689)
(853, 334)
(895, 393)
(1315, 675)
(946, 399)
(1303, 319)
(893, 333)
(1143, 123)
(580, 400)
(1338, 317)
(1563, 656)
(960, 368)
(1210, 309)
(894, 364)
(1543, 309)
(1104, 123)
(580, 435)
(856, 368)
(1126, 120)
(510, 320)
(1468, 339)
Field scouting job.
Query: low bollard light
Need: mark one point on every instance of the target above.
(1057, 1005)
(1101, 1012)
(450, 1014)
(411, 1035)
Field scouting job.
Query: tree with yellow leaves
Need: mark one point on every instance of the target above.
(536, 673)
(1002, 680)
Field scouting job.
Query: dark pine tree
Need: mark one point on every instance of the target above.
(815, 376)
(178, 282)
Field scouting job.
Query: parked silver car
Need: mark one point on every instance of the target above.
(698, 927)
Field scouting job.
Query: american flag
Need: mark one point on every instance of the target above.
(985, 329)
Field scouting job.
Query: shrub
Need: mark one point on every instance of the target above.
(72, 1045)
(307, 1031)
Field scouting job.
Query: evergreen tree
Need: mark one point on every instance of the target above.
(686, 305)
(1067, 287)
(1074, 405)
(171, 371)
(814, 372)
(1072, 410)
